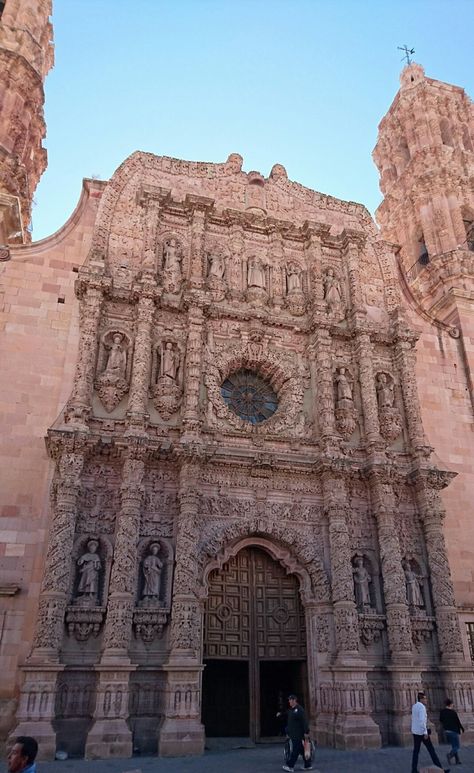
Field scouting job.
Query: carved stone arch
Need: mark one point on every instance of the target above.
(105, 553)
(167, 556)
(283, 374)
(293, 551)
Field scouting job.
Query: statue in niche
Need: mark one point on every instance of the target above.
(152, 567)
(117, 359)
(172, 264)
(293, 278)
(413, 586)
(362, 579)
(385, 392)
(256, 273)
(344, 389)
(332, 289)
(169, 362)
(89, 566)
(216, 266)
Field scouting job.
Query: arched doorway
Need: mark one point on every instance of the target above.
(254, 646)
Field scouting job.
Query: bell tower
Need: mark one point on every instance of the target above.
(26, 56)
(425, 156)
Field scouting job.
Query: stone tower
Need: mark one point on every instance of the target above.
(425, 157)
(26, 56)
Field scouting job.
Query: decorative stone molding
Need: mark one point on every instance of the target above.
(82, 623)
(422, 628)
(371, 627)
(149, 624)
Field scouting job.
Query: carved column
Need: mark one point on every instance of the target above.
(237, 245)
(406, 679)
(78, 407)
(406, 361)
(192, 375)
(427, 484)
(364, 356)
(150, 202)
(182, 732)
(315, 234)
(36, 711)
(456, 672)
(322, 347)
(200, 206)
(353, 244)
(353, 725)
(137, 413)
(110, 735)
(277, 256)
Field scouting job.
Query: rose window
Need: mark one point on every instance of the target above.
(249, 396)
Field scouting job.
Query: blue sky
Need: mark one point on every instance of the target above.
(303, 83)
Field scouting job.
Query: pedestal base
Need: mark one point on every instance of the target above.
(109, 738)
(181, 738)
(354, 731)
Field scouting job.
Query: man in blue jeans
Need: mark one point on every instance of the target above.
(452, 728)
(421, 734)
(297, 729)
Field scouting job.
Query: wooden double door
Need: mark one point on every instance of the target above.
(254, 647)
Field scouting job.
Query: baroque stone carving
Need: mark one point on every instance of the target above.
(112, 383)
(167, 388)
(83, 622)
(389, 415)
(151, 568)
(89, 567)
(362, 581)
(345, 410)
(149, 623)
(414, 587)
(371, 627)
(172, 268)
(333, 293)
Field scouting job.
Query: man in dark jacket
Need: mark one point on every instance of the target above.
(297, 729)
(452, 728)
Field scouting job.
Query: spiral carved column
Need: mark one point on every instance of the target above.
(182, 723)
(110, 735)
(351, 691)
(36, 710)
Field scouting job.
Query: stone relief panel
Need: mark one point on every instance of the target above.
(99, 499)
(114, 365)
(160, 504)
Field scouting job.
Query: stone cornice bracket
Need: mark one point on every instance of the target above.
(153, 193)
(430, 477)
(59, 442)
(195, 203)
(92, 276)
(313, 229)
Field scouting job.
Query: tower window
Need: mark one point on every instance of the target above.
(446, 134)
(470, 638)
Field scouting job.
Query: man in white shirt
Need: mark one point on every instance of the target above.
(421, 734)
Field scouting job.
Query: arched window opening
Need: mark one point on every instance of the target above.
(423, 256)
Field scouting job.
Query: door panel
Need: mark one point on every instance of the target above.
(253, 614)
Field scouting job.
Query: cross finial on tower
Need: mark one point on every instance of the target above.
(407, 54)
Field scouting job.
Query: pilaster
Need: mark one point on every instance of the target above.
(364, 355)
(192, 376)
(137, 413)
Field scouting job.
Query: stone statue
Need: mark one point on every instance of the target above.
(413, 586)
(89, 568)
(293, 278)
(172, 263)
(151, 567)
(385, 391)
(117, 359)
(361, 584)
(169, 362)
(332, 289)
(256, 273)
(344, 389)
(216, 266)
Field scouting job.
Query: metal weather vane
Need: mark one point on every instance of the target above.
(407, 54)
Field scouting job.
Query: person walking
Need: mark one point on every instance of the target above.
(452, 728)
(21, 758)
(297, 730)
(421, 734)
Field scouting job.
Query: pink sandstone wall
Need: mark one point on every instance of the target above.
(38, 346)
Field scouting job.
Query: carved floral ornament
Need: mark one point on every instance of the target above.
(273, 399)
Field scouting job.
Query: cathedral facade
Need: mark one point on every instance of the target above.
(258, 415)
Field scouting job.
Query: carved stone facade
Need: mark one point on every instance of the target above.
(241, 382)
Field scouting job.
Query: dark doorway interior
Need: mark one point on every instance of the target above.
(278, 679)
(225, 704)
